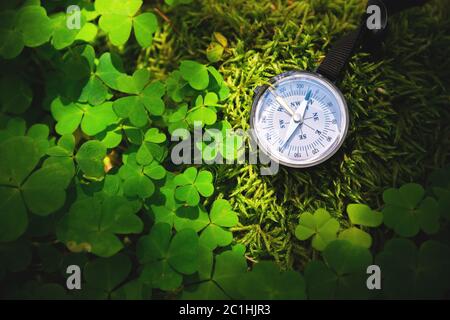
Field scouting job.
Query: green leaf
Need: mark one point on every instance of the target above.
(44, 191)
(407, 211)
(183, 251)
(361, 214)
(190, 185)
(107, 273)
(166, 258)
(92, 224)
(357, 237)
(267, 282)
(18, 157)
(35, 25)
(342, 276)
(195, 74)
(411, 273)
(221, 216)
(320, 225)
(13, 214)
(90, 159)
(145, 25)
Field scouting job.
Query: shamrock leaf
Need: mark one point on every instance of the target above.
(219, 283)
(63, 37)
(224, 142)
(41, 191)
(411, 273)
(166, 259)
(320, 225)
(118, 17)
(407, 211)
(342, 275)
(177, 214)
(357, 237)
(29, 26)
(195, 74)
(150, 149)
(147, 98)
(178, 120)
(138, 177)
(93, 119)
(92, 224)
(361, 214)
(221, 216)
(191, 184)
(34, 24)
(177, 87)
(267, 282)
(204, 111)
(103, 275)
(216, 48)
(62, 153)
(90, 159)
(133, 290)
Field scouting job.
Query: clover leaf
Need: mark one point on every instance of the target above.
(196, 74)
(62, 153)
(166, 259)
(342, 275)
(41, 191)
(407, 211)
(225, 143)
(356, 236)
(361, 214)
(204, 110)
(93, 222)
(138, 177)
(221, 216)
(103, 275)
(320, 225)
(63, 37)
(29, 26)
(90, 159)
(147, 98)
(411, 273)
(191, 184)
(219, 282)
(177, 214)
(133, 290)
(267, 282)
(118, 17)
(178, 120)
(93, 119)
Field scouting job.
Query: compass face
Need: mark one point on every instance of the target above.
(300, 120)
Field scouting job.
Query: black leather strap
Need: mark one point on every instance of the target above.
(342, 50)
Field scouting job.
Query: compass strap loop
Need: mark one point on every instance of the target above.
(343, 49)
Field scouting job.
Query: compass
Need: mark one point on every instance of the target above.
(300, 119)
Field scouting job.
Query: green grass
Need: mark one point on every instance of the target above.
(398, 105)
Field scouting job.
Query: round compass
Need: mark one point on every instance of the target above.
(300, 119)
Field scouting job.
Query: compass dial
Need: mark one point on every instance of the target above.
(300, 120)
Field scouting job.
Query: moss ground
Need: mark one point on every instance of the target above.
(399, 105)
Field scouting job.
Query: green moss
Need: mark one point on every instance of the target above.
(399, 105)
